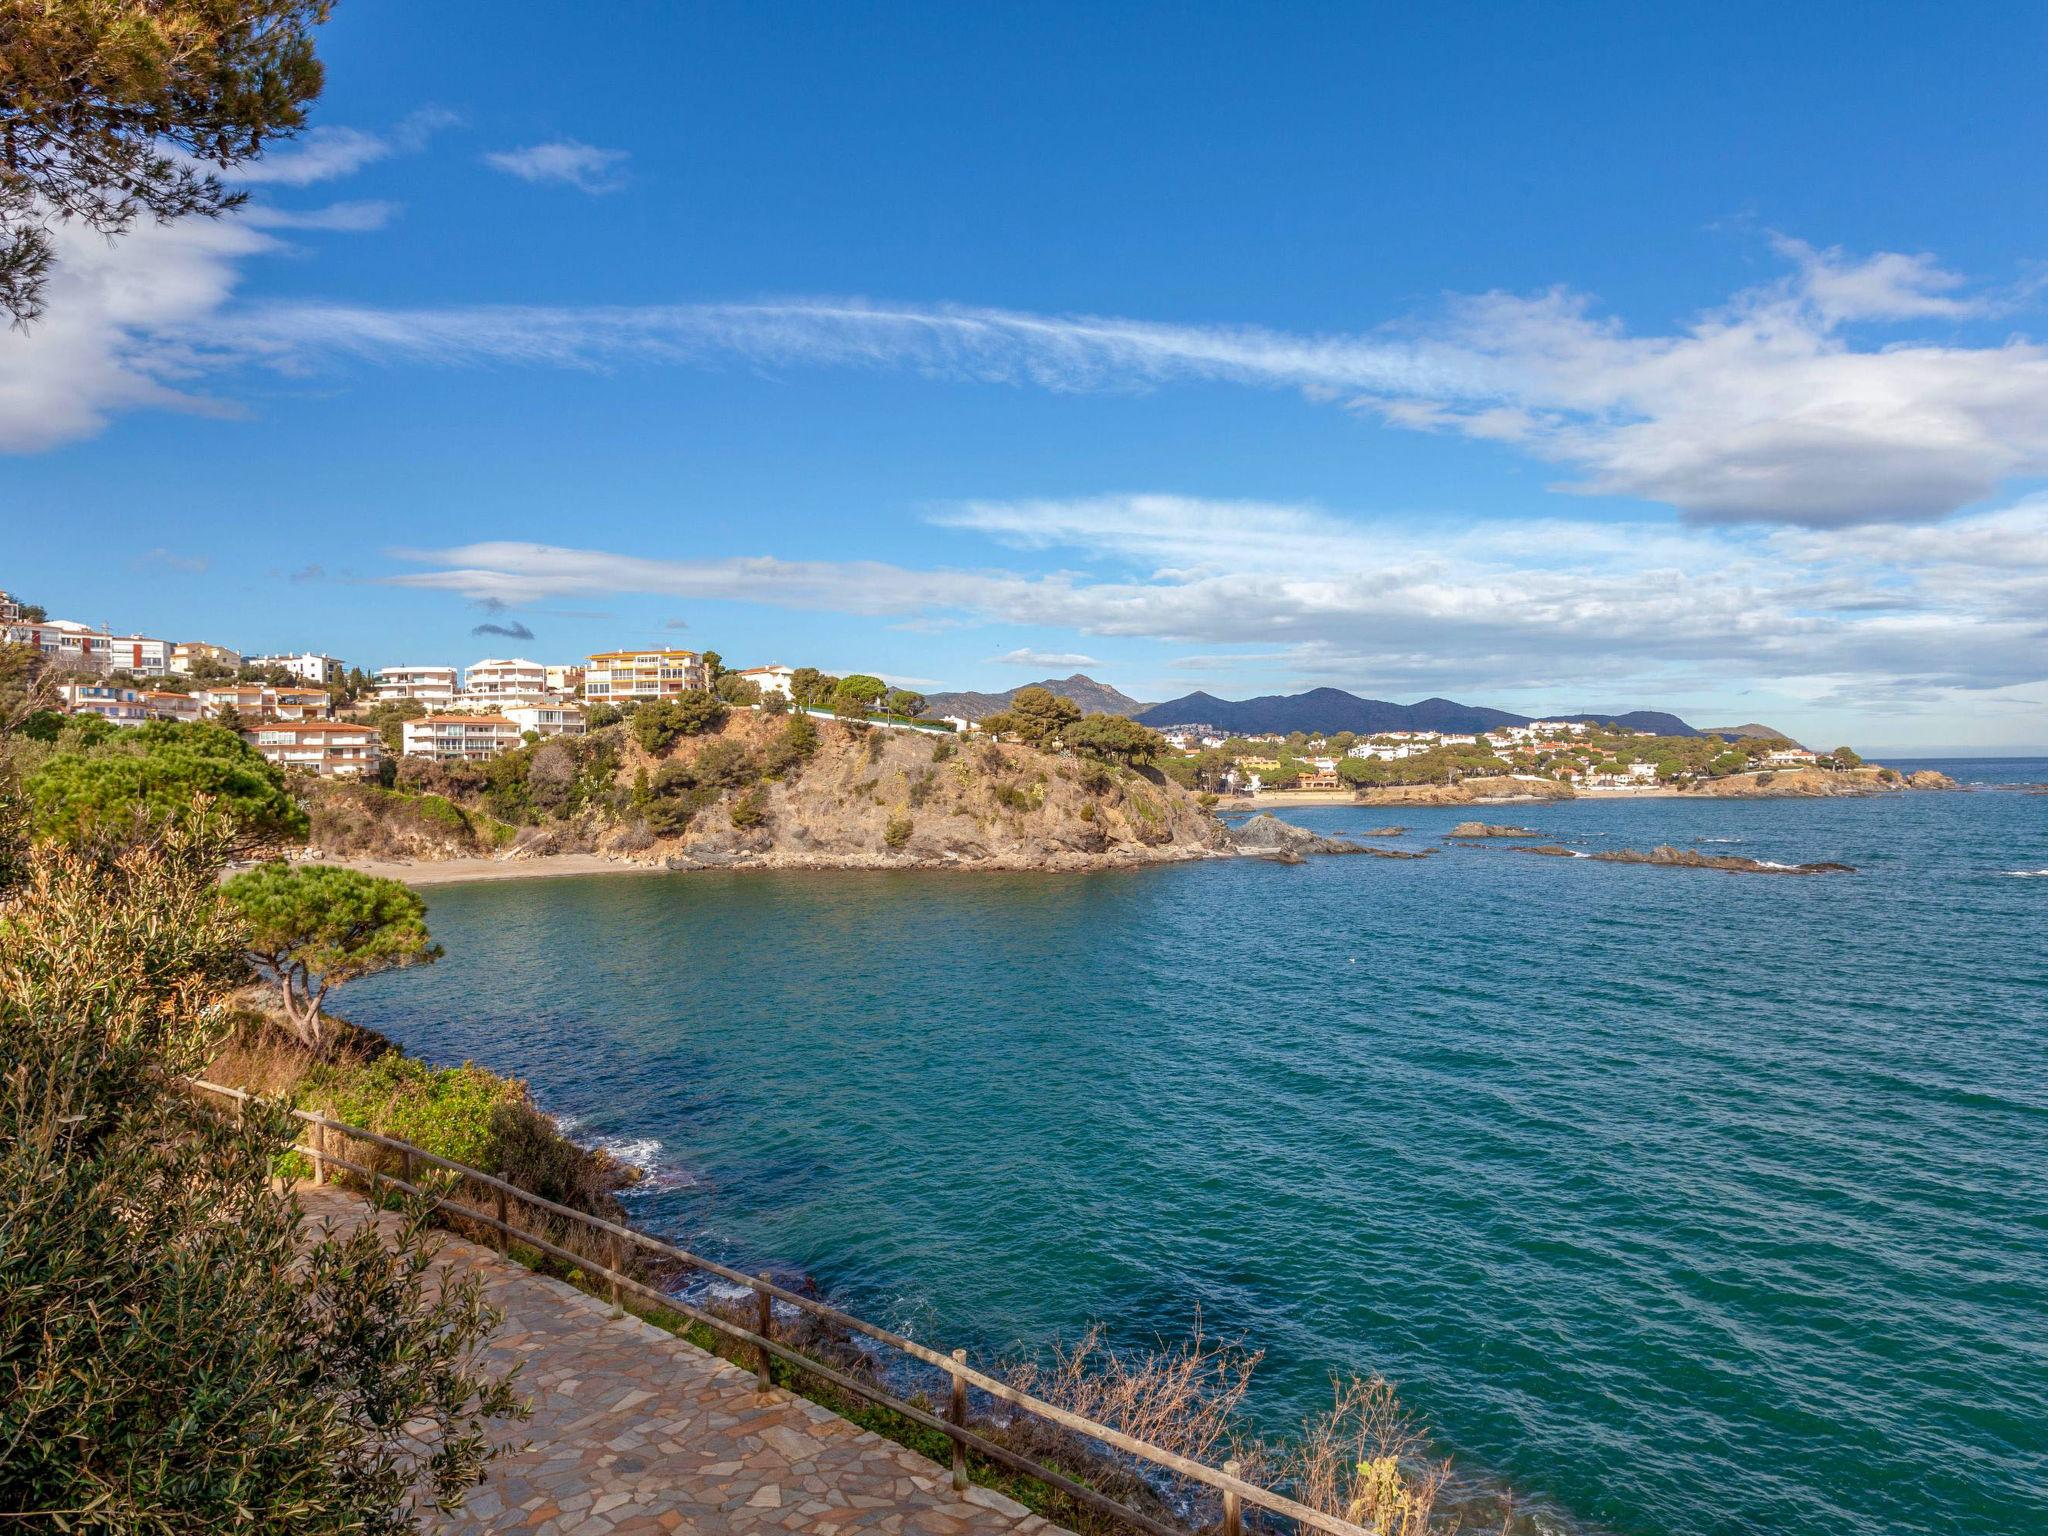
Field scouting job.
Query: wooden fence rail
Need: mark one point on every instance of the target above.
(1236, 1491)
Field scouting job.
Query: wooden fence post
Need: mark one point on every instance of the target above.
(764, 1320)
(320, 1151)
(407, 1165)
(498, 1233)
(618, 1263)
(957, 1415)
(1233, 1503)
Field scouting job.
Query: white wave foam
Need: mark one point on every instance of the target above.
(2027, 874)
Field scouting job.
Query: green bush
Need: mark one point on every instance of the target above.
(897, 833)
(660, 725)
(794, 745)
(750, 810)
(449, 1111)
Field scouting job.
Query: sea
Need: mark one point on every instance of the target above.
(1678, 1202)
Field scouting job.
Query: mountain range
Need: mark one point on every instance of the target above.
(1093, 697)
(1319, 709)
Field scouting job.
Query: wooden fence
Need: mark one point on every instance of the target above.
(617, 1241)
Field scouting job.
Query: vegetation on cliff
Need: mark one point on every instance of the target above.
(319, 1387)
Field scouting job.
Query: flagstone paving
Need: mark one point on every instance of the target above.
(638, 1433)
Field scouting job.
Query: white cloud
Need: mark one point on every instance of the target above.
(351, 217)
(582, 166)
(324, 154)
(1028, 656)
(329, 152)
(1642, 609)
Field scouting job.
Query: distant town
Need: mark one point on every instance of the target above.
(309, 711)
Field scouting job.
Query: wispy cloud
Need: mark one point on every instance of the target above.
(582, 166)
(353, 217)
(1027, 656)
(1775, 408)
(329, 152)
(513, 631)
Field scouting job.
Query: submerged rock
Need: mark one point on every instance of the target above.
(1488, 829)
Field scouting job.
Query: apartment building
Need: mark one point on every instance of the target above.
(181, 707)
(307, 666)
(774, 678)
(616, 676)
(299, 704)
(459, 738)
(565, 679)
(186, 654)
(496, 678)
(252, 701)
(552, 719)
(110, 701)
(140, 655)
(434, 687)
(66, 646)
(332, 749)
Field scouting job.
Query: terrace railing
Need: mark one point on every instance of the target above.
(319, 1146)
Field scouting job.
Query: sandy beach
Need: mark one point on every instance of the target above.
(452, 871)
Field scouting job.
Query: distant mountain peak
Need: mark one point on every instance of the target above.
(1094, 698)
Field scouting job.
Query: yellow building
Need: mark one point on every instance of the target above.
(615, 676)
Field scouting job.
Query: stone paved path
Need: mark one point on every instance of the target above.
(636, 1431)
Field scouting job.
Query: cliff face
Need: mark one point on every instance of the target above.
(879, 798)
(865, 796)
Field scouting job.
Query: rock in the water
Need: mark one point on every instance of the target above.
(1691, 858)
(1267, 836)
(1487, 829)
(1929, 778)
(1385, 831)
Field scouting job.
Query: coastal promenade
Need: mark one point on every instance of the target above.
(638, 1433)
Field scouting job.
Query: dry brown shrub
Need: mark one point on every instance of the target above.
(1366, 1459)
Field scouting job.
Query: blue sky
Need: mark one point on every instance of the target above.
(1546, 357)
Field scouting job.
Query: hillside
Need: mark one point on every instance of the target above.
(1738, 732)
(1332, 709)
(1093, 698)
(863, 797)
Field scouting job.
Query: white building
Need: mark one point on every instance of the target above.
(298, 704)
(330, 748)
(773, 678)
(459, 738)
(140, 655)
(188, 653)
(110, 701)
(65, 645)
(1791, 757)
(431, 686)
(553, 719)
(495, 678)
(181, 707)
(304, 665)
(564, 679)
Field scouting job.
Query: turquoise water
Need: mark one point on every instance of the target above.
(1681, 1202)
